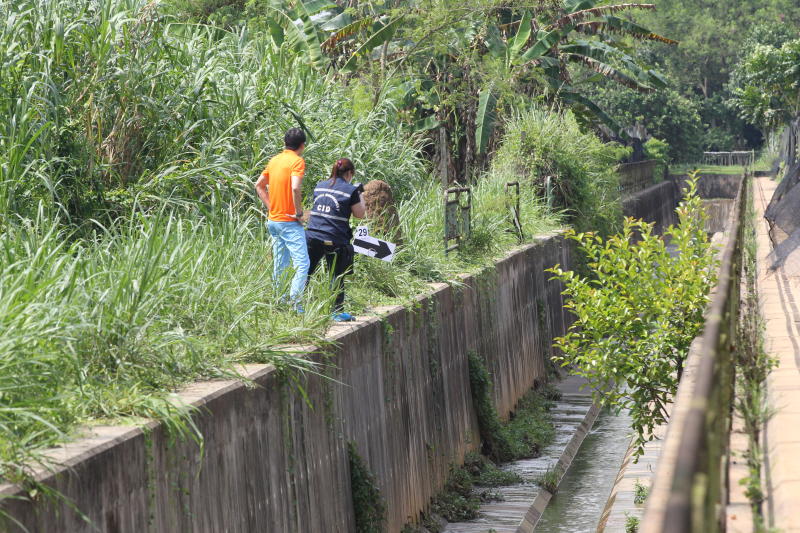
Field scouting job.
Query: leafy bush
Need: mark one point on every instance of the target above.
(666, 114)
(486, 474)
(765, 84)
(368, 504)
(525, 434)
(581, 169)
(658, 150)
(631, 523)
(530, 428)
(456, 502)
(640, 493)
(496, 444)
(421, 258)
(638, 313)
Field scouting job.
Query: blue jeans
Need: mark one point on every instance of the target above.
(289, 241)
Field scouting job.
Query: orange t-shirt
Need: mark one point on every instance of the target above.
(279, 172)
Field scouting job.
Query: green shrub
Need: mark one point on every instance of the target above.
(456, 502)
(658, 150)
(638, 312)
(486, 474)
(530, 428)
(640, 493)
(550, 479)
(368, 504)
(128, 107)
(582, 169)
(495, 443)
(631, 524)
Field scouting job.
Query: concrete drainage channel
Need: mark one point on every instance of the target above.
(522, 505)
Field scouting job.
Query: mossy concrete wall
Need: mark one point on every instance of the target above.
(397, 386)
(655, 204)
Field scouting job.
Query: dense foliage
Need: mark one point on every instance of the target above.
(369, 506)
(700, 72)
(638, 313)
(767, 84)
(454, 70)
(666, 115)
(111, 102)
(132, 258)
(133, 253)
(571, 168)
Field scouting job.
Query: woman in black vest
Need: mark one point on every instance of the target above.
(328, 233)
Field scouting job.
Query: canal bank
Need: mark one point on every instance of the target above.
(396, 386)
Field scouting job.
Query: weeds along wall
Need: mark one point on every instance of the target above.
(397, 387)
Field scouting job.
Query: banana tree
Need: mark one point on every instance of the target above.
(327, 36)
(554, 46)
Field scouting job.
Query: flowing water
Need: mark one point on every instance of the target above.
(583, 492)
(506, 515)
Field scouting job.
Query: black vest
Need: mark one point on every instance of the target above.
(330, 214)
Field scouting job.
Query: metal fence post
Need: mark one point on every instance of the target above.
(513, 204)
(457, 217)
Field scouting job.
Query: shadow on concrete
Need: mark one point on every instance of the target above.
(783, 214)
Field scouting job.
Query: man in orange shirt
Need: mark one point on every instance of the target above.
(280, 188)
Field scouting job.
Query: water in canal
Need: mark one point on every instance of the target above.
(580, 500)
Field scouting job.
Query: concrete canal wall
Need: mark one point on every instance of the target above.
(655, 204)
(397, 387)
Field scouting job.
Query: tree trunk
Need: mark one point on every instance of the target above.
(443, 157)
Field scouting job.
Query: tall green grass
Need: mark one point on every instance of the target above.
(111, 100)
(422, 258)
(106, 328)
(132, 259)
(548, 150)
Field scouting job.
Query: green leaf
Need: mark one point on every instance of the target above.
(306, 40)
(546, 41)
(570, 6)
(277, 33)
(338, 22)
(613, 24)
(376, 39)
(496, 46)
(312, 7)
(522, 37)
(599, 57)
(427, 123)
(347, 31)
(485, 120)
(311, 38)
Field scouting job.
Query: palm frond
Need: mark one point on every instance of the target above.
(609, 72)
(611, 24)
(376, 39)
(345, 33)
(585, 14)
(606, 54)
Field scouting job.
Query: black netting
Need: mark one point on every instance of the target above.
(783, 212)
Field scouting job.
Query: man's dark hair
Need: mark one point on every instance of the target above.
(294, 138)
